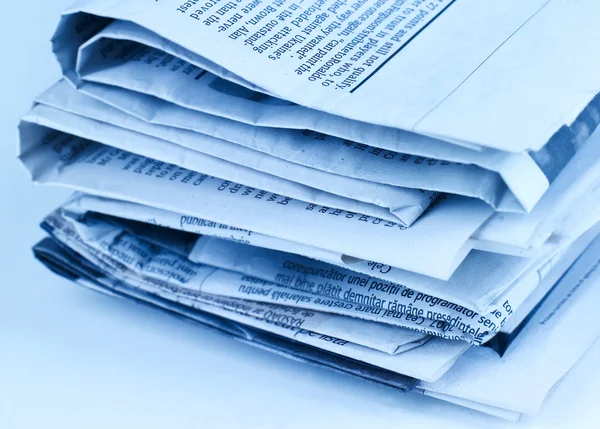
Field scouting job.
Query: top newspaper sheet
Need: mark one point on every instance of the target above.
(279, 46)
(400, 64)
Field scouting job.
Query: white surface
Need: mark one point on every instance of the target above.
(71, 358)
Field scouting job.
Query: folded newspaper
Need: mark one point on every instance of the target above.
(370, 186)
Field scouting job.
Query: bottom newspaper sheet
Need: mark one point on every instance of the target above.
(104, 257)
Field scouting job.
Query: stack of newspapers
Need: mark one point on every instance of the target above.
(402, 190)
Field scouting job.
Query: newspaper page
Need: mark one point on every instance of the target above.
(431, 174)
(72, 266)
(551, 371)
(100, 235)
(227, 111)
(569, 187)
(102, 170)
(426, 362)
(405, 204)
(276, 277)
(63, 97)
(159, 74)
(150, 78)
(480, 279)
(377, 48)
(409, 204)
(175, 270)
(521, 235)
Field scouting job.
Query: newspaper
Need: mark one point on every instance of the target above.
(480, 279)
(502, 188)
(54, 157)
(521, 235)
(423, 360)
(120, 253)
(445, 105)
(207, 164)
(233, 284)
(319, 151)
(150, 275)
(555, 319)
(71, 265)
(164, 76)
(535, 228)
(222, 282)
(275, 277)
(522, 25)
(405, 205)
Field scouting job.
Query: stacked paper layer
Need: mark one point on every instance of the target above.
(373, 187)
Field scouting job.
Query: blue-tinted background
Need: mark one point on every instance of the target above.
(70, 358)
